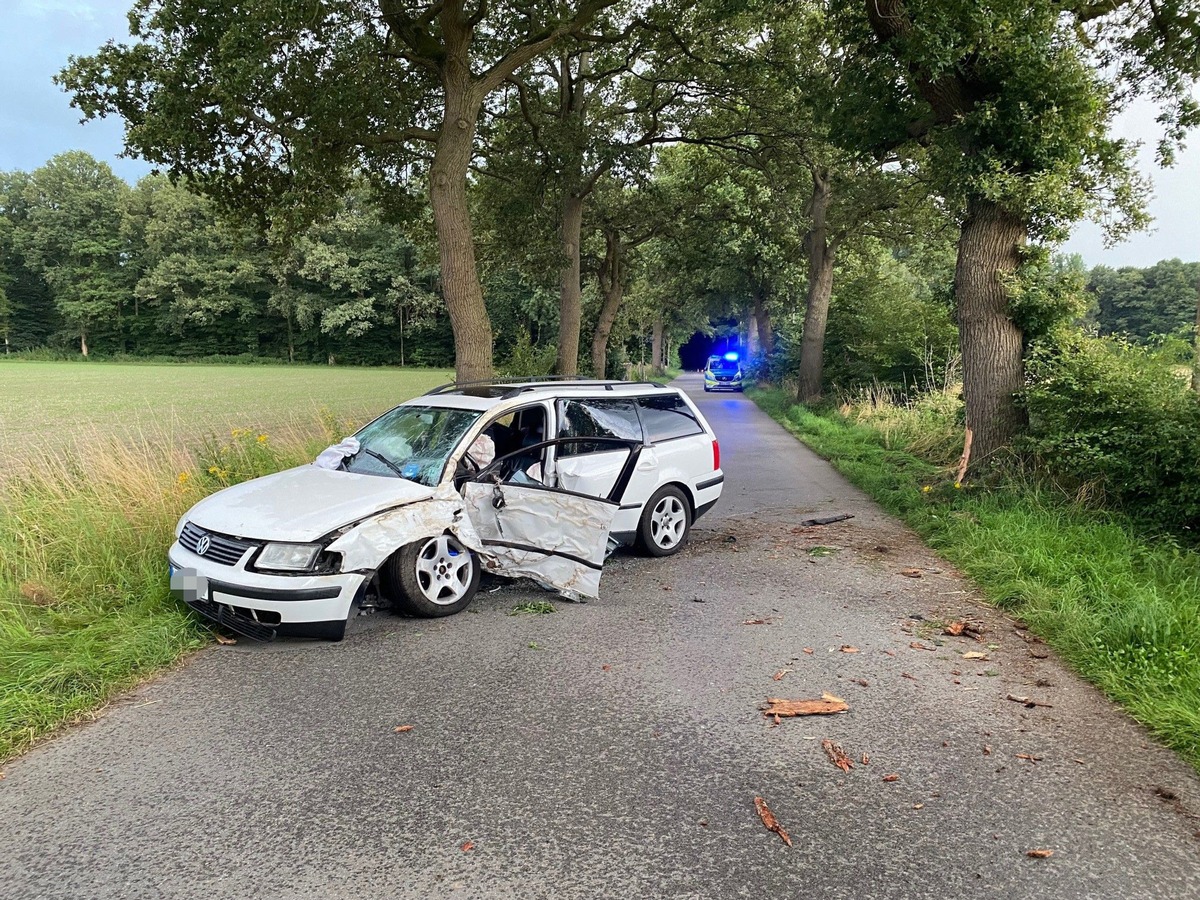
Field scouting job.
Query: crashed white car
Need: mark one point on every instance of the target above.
(534, 479)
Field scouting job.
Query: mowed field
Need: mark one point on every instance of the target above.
(57, 405)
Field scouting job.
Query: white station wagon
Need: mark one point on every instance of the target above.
(539, 479)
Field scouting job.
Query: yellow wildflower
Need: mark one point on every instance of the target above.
(213, 470)
(958, 485)
(926, 489)
(183, 478)
(262, 438)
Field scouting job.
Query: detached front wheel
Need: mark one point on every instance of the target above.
(433, 577)
(666, 521)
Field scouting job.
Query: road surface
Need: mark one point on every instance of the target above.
(615, 749)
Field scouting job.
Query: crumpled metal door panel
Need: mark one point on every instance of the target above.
(550, 536)
(368, 545)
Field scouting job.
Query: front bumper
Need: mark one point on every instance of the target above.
(258, 605)
(711, 384)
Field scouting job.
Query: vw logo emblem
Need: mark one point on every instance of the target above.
(202, 545)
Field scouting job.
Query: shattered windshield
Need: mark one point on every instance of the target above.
(411, 442)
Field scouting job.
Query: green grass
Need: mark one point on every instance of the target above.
(85, 609)
(1122, 606)
(58, 404)
(533, 607)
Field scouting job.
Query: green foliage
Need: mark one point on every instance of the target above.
(1112, 419)
(1047, 293)
(526, 360)
(1123, 608)
(1142, 303)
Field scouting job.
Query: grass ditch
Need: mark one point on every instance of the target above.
(85, 604)
(1120, 605)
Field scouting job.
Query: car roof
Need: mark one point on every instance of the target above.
(486, 394)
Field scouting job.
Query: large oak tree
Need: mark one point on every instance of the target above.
(273, 107)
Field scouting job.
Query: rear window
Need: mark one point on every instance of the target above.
(666, 417)
(597, 418)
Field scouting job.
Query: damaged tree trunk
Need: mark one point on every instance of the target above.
(612, 287)
(822, 251)
(991, 342)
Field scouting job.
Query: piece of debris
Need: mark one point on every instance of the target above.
(974, 654)
(223, 640)
(1039, 853)
(827, 705)
(1029, 756)
(917, 645)
(703, 823)
(866, 758)
(766, 621)
(955, 628)
(606, 668)
(37, 594)
(697, 599)
(880, 548)
(891, 777)
(861, 681)
(908, 676)
(1028, 702)
(1039, 653)
(467, 845)
(769, 820)
(846, 648)
(912, 573)
(401, 729)
(826, 520)
(918, 806)
(987, 751)
(778, 676)
(808, 650)
(837, 755)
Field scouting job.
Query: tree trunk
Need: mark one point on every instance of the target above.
(612, 287)
(656, 347)
(1196, 360)
(290, 339)
(752, 333)
(402, 337)
(991, 343)
(821, 254)
(83, 348)
(452, 220)
(762, 321)
(570, 299)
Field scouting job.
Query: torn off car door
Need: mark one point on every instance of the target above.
(554, 536)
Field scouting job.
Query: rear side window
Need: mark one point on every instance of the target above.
(597, 418)
(667, 417)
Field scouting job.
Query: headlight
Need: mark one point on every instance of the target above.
(287, 557)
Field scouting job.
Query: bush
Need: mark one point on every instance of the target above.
(1114, 419)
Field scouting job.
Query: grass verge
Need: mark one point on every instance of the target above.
(1121, 606)
(85, 605)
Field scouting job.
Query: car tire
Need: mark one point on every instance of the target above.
(666, 522)
(432, 577)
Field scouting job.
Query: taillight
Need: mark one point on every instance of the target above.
(716, 455)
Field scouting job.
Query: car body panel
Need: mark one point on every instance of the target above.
(557, 533)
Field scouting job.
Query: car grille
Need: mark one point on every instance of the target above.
(222, 548)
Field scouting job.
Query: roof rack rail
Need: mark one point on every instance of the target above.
(521, 385)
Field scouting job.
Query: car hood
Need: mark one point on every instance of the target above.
(301, 504)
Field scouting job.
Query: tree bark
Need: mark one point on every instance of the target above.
(821, 254)
(762, 321)
(992, 344)
(1196, 360)
(570, 299)
(612, 287)
(656, 347)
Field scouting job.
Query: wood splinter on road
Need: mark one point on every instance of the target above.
(769, 820)
(837, 755)
(827, 705)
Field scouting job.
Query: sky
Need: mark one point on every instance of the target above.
(37, 122)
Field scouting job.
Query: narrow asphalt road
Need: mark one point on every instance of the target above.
(615, 749)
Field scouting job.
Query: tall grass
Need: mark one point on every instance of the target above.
(1121, 605)
(85, 607)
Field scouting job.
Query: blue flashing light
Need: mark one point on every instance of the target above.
(732, 357)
